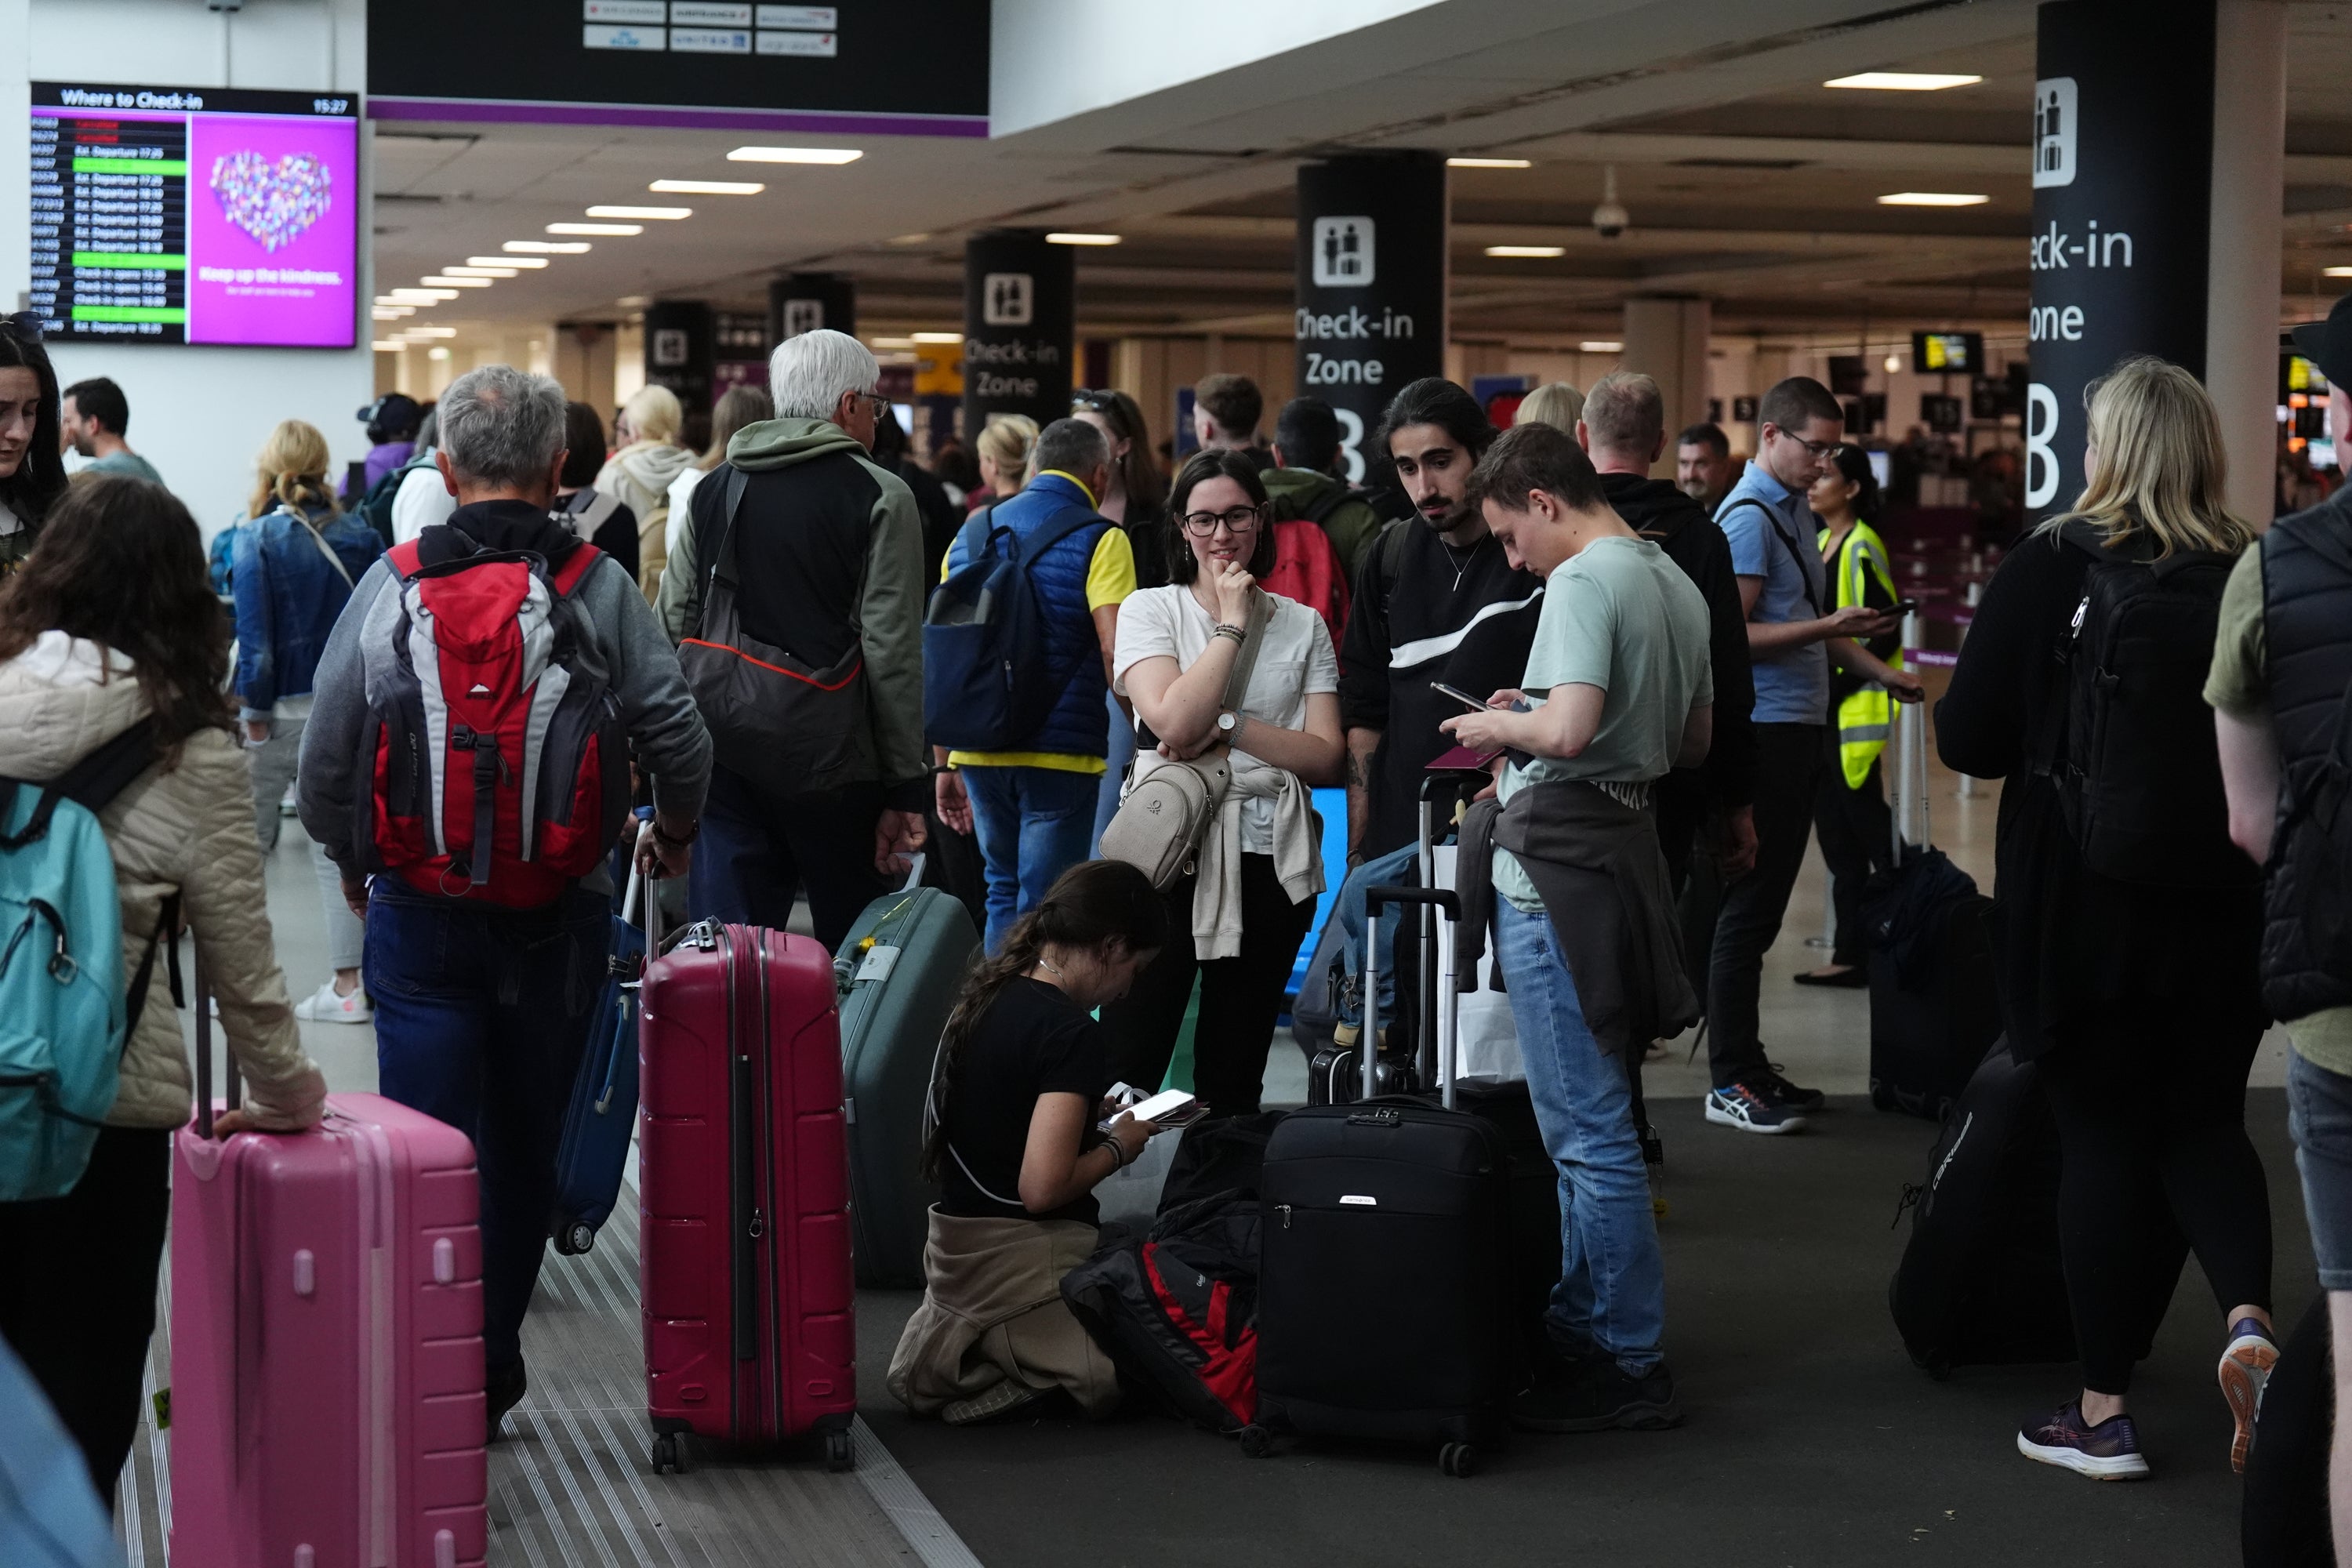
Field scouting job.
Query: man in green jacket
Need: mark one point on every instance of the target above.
(828, 553)
(1301, 483)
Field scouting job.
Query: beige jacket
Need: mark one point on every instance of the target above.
(992, 1311)
(186, 823)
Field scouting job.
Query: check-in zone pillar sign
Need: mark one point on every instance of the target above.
(681, 349)
(1019, 327)
(2123, 172)
(806, 302)
(1371, 285)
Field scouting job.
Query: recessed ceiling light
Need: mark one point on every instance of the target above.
(2335, 271)
(794, 155)
(383, 346)
(481, 270)
(436, 354)
(1601, 346)
(1527, 250)
(429, 332)
(660, 214)
(889, 342)
(938, 337)
(920, 238)
(1932, 199)
(1904, 81)
(443, 280)
(597, 228)
(1065, 236)
(531, 262)
(547, 247)
(634, 301)
(423, 296)
(1490, 162)
(707, 187)
(392, 313)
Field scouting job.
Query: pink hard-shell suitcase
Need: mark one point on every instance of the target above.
(743, 1191)
(327, 1405)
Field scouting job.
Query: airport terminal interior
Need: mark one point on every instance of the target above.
(1952, 214)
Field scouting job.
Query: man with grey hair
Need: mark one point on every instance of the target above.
(822, 554)
(1031, 801)
(475, 955)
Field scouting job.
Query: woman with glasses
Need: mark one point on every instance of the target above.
(1136, 500)
(1250, 898)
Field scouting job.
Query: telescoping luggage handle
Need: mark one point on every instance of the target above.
(1449, 1007)
(203, 1005)
(1910, 814)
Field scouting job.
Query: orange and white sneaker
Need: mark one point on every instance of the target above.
(326, 1006)
(2245, 1370)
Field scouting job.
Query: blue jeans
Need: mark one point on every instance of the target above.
(1032, 823)
(1612, 1280)
(1121, 752)
(480, 1017)
(2319, 1112)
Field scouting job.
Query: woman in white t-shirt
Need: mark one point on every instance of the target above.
(1251, 897)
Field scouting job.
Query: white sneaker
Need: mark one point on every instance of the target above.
(324, 1006)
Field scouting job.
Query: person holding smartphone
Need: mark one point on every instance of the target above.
(1021, 1085)
(1849, 811)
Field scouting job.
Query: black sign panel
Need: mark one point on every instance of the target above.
(1371, 285)
(681, 344)
(2123, 169)
(923, 60)
(1019, 327)
(808, 300)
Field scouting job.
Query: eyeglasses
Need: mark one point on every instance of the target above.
(1237, 519)
(1095, 402)
(874, 400)
(1815, 450)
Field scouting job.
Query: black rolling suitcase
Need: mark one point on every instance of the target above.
(1935, 1001)
(1385, 1291)
(1981, 1282)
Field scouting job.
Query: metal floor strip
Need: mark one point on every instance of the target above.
(934, 1539)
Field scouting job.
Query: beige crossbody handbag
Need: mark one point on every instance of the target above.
(1165, 814)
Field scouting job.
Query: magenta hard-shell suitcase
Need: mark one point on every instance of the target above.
(743, 1191)
(326, 1405)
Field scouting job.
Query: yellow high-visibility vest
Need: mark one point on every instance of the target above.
(1864, 717)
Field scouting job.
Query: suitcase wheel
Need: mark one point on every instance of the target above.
(668, 1455)
(1457, 1459)
(1256, 1441)
(574, 1238)
(837, 1452)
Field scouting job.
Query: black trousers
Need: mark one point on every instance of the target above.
(1240, 997)
(1857, 832)
(757, 852)
(1788, 764)
(78, 1292)
(2151, 1110)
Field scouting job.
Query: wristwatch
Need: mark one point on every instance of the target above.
(1229, 724)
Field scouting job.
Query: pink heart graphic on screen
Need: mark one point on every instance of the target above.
(272, 202)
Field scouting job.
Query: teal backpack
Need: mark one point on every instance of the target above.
(63, 1020)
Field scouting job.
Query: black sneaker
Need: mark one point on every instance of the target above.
(1596, 1395)
(1774, 1087)
(1749, 1109)
(503, 1390)
(2106, 1452)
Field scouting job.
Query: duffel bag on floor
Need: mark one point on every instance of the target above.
(1175, 1307)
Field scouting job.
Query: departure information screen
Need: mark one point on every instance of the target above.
(196, 214)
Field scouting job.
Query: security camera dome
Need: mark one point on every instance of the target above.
(1610, 219)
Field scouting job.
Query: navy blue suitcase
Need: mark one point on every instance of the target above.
(603, 1110)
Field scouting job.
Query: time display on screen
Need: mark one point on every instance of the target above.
(194, 216)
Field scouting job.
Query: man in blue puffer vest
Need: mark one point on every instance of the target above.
(1033, 808)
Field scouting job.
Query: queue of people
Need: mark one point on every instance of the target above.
(1684, 676)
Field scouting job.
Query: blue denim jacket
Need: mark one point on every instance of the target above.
(287, 596)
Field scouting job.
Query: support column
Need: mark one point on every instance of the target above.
(1019, 327)
(2157, 166)
(805, 301)
(1371, 285)
(681, 346)
(1665, 340)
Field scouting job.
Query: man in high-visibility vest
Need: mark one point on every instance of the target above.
(1850, 813)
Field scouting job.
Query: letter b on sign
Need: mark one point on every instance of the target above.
(2041, 457)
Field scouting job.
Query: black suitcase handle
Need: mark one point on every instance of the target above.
(1378, 898)
(1449, 1000)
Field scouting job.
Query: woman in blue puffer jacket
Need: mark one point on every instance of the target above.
(296, 558)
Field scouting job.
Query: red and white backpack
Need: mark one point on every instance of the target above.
(496, 765)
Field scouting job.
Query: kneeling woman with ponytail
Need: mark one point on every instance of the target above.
(1015, 1148)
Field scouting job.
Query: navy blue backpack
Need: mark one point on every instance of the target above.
(986, 684)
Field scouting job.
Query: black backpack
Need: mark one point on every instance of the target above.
(2135, 762)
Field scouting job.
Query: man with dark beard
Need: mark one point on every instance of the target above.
(1425, 585)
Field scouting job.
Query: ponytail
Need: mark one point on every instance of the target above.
(1092, 903)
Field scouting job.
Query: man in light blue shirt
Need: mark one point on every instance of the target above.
(1793, 635)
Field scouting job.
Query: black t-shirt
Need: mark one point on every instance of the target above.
(1033, 1040)
(1418, 603)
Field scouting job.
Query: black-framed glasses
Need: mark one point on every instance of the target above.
(1818, 449)
(1095, 402)
(1237, 519)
